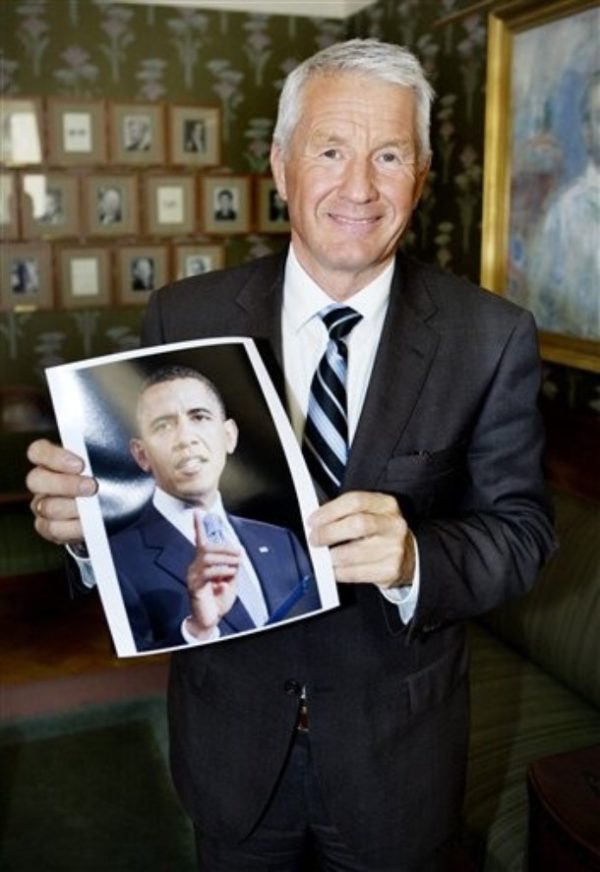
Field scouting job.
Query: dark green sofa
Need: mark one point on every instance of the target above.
(535, 686)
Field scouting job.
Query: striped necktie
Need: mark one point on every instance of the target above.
(325, 441)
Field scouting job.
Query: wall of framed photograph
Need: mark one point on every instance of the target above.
(26, 277)
(76, 131)
(137, 134)
(193, 260)
(85, 277)
(226, 208)
(102, 201)
(140, 269)
(49, 205)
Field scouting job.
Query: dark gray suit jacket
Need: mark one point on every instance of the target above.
(450, 427)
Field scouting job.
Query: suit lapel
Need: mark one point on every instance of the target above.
(262, 299)
(172, 551)
(404, 357)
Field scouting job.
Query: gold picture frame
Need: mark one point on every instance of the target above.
(226, 205)
(193, 260)
(195, 135)
(85, 277)
(9, 222)
(170, 204)
(536, 81)
(141, 269)
(49, 205)
(272, 213)
(137, 133)
(21, 131)
(26, 277)
(76, 131)
(111, 205)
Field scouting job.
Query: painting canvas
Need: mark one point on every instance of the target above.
(554, 227)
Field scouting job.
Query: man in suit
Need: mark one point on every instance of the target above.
(188, 571)
(348, 732)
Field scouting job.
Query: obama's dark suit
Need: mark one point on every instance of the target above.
(152, 557)
(449, 427)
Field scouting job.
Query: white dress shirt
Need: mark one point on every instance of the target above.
(305, 338)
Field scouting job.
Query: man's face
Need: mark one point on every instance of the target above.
(350, 178)
(184, 439)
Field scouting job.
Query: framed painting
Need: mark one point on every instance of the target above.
(137, 133)
(9, 224)
(26, 277)
(49, 205)
(141, 269)
(21, 132)
(193, 260)
(272, 211)
(76, 131)
(226, 204)
(541, 221)
(195, 135)
(85, 278)
(111, 205)
(170, 204)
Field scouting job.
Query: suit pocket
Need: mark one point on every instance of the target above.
(423, 466)
(431, 685)
(426, 482)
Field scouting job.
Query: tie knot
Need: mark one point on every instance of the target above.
(339, 320)
(213, 528)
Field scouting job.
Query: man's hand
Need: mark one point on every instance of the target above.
(369, 539)
(55, 481)
(211, 581)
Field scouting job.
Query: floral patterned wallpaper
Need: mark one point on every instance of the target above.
(94, 48)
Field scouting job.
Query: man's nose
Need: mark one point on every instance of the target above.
(184, 432)
(358, 182)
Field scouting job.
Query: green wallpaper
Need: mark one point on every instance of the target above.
(94, 48)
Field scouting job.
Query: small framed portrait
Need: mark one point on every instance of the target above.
(272, 211)
(141, 269)
(226, 204)
(76, 131)
(170, 204)
(85, 278)
(21, 135)
(9, 224)
(26, 277)
(111, 205)
(49, 205)
(137, 133)
(193, 260)
(195, 135)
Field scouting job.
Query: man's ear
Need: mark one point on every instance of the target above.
(278, 169)
(231, 435)
(138, 452)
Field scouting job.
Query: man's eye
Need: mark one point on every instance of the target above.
(331, 153)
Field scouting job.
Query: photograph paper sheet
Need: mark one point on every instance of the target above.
(142, 439)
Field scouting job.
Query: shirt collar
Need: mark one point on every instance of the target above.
(173, 507)
(303, 298)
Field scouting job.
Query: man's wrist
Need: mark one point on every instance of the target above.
(408, 566)
(193, 632)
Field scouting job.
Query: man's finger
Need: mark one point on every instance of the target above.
(44, 482)
(44, 453)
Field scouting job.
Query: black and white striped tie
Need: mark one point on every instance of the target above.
(325, 441)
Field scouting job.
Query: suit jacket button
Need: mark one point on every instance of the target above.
(292, 688)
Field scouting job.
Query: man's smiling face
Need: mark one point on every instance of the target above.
(184, 439)
(351, 177)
